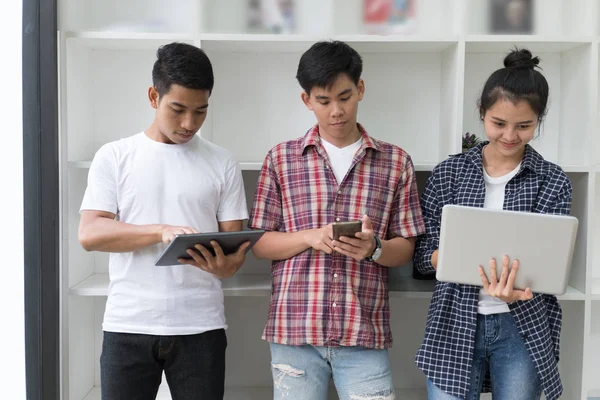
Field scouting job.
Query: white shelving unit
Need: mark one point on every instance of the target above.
(593, 366)
(421, 92)
(550, 17)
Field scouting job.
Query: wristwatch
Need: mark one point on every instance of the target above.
(377, 252)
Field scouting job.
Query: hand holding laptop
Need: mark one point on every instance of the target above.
(543, 244)
(503, 288)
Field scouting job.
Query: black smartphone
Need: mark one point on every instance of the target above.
(348, 228)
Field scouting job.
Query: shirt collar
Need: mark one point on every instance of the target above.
(312, 138)
(532, 160)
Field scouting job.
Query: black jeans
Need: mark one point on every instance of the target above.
(131, 365)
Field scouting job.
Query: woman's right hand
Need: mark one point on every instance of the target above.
(503, 288)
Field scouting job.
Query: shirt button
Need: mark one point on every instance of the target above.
(335, 275)
(337, 219)
(339, 192)
(334, 305)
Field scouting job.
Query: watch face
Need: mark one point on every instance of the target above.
(377, 254)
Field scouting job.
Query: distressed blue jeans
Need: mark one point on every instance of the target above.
(304, 372)
(500, 349)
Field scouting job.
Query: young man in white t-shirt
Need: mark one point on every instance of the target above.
(142, 191)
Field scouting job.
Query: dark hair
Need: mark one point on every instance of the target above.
(323, 63)
(518, 80)
(182, 64)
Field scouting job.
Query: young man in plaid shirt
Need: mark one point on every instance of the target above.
(329, 311)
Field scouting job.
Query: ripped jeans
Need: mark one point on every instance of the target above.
(304, 372)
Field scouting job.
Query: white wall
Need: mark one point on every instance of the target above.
(12, 334)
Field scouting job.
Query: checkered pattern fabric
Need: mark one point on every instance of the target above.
(330, 299)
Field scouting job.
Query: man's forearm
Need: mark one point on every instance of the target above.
(109, 235)
(280, 245)
(396, 252)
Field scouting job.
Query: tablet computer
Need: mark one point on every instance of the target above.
(229, 241)
(543, 244)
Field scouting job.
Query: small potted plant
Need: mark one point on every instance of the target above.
(469, 141)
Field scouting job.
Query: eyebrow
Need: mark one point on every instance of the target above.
(522, 122)
(174, 103)
(343, 92)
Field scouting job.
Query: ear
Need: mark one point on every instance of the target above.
(306, 100)
(361, 89)
(153, 97)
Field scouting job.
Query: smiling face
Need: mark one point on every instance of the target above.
(180, 113)
(509, 127)
(336, 109)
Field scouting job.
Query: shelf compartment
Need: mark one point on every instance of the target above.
(548, 17)
(269, 110)
(128, 16)
(566, 64)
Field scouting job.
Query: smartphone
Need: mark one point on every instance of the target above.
(349, 229)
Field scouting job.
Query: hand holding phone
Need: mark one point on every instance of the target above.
(348, 229)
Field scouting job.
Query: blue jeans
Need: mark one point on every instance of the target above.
(304, 372)
(499, 349)
(131, 366)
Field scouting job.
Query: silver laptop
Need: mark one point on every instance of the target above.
(542, 243)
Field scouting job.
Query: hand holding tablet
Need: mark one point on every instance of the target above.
(229, 242)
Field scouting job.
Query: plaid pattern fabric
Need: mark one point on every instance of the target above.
(333, 300)
(446, 352)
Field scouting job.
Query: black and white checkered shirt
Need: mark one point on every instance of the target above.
(446, 353)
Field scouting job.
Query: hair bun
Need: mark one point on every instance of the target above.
(522, 59)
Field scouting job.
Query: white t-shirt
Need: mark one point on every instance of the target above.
(494, 198)
(142, 181)
(341, 158)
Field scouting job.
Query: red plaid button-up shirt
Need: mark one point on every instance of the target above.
(330, 299)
